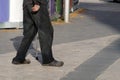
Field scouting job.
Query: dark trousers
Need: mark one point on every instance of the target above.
(34, 23)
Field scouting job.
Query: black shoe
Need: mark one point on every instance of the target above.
(26, 61)
(55, 64)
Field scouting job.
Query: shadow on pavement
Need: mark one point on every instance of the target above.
(34, 52)
(105, 13)
(112, 1)
(17, 41)
(93, 67)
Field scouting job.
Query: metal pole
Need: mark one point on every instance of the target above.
(67, 8)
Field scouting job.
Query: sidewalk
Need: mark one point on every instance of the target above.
(81, 58)
(89, 48)
(84, 60)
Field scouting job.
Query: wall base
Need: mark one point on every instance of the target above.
(11, 25)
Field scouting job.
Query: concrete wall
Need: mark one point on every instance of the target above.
(15, 15)
(16, 11)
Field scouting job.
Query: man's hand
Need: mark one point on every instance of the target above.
(35, 8)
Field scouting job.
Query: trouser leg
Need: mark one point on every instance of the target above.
(29, 33)
(46, 46)
(45, 33)
(25, 44)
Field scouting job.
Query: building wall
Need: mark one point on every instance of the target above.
(16, 14)
(4, 10)
(16, 11)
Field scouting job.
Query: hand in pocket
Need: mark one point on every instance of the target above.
(35, 8)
